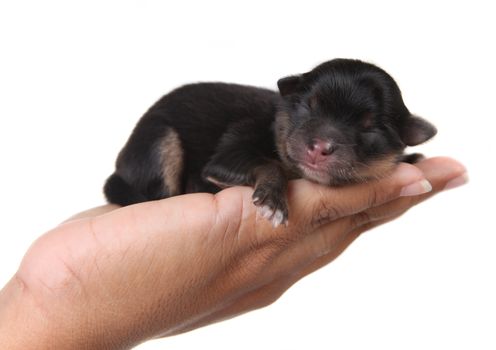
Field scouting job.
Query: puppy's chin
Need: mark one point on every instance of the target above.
(332, 175)
(343, 173)
(316, 175)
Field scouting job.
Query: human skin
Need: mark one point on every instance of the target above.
(111, 278)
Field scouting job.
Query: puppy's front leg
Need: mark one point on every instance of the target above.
(246, 155)
(267, 176)
(270, 192)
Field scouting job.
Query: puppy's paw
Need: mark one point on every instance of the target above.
(275, 216)
(272, 204)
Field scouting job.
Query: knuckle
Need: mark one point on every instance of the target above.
(324, 213)
(270, 298)
(360, 219)
(373, 198)
(280, 244)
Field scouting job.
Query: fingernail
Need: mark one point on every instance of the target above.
(457, 182)
(420, 187)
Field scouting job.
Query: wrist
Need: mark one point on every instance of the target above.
(26, 323)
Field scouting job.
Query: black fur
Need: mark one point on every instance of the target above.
(342, 122)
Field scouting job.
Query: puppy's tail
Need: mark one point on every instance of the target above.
(120, 192)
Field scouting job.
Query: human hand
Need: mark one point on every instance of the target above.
(165, 267)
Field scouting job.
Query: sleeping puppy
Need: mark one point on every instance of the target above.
(343, 122)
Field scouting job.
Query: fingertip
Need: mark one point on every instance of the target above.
(449, 164)
(444, 172)
(457, 181)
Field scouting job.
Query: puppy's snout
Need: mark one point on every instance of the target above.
(320, 150)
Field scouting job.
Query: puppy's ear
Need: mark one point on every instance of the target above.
(416, 131)
(289, 85)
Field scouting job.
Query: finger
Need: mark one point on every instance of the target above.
(341, 246)
(330, 239)
(270, 292)
(324, 238)
(332, 254)
(440, 172)
(306, 248)
(318, 205)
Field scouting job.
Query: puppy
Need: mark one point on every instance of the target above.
(343, 122)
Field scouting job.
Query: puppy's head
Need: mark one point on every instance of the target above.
(345, 122)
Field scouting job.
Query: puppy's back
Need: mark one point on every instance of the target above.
(176, 137)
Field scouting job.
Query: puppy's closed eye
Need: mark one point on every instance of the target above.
(313, 101)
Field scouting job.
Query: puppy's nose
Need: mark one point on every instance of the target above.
(320, 150)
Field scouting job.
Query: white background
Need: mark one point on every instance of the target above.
(76, 76)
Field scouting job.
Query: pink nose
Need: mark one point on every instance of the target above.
(319, 151)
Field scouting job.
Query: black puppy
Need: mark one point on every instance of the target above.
(343, 122)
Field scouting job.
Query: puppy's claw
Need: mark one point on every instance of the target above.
(266, 212)
(271, 205)
(277, 218)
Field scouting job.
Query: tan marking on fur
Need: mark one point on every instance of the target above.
(171, 155)
(282, 133)
(282, 123)
(379, 168)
